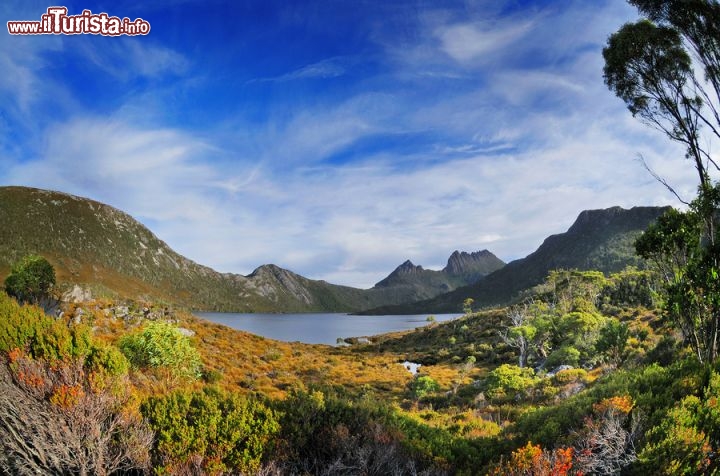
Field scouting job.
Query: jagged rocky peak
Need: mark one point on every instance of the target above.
(271, 270)
(462, 262)
(407, 268)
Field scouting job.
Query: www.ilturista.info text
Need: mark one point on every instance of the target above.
(57, 22)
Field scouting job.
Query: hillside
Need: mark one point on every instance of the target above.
(598, 240)
(106, 252)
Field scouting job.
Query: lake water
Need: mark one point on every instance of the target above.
(319, 328)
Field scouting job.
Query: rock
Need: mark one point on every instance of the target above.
(186, 332)
(557, 369)
(77, 294)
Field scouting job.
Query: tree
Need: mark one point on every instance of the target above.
(613, 340)
(32, 280)
(666, 68)
(689, 264)
(519, 333)
(467, 305)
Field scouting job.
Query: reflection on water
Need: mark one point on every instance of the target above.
(319, 328)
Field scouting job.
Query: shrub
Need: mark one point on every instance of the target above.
(209, 431)
(327, 433)
(422, 386)
(510, 381)
(567, 376)
(161, 345)
(28, 328)
(55, 419)
(565, 355)
(31, 280)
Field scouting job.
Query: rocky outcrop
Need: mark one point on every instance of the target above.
(478, 263)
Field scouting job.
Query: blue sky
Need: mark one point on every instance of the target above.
(333, 138)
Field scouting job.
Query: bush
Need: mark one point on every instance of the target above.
(161, 345)
(422, 386)
(565, 355)
(55, 419)
(567, 376)
(510, 381)
(31, 280)
(326, 433)
(28, 328)
(209, 432)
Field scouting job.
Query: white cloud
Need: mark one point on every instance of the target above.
(469, 41)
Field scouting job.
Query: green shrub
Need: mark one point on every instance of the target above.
(565, 355)
(108, 358)
(567, 376)
(510, 381)
(222, 433)
(422, 386)
(161, 345)
(31, 280)
(29, 328)
(322, 431)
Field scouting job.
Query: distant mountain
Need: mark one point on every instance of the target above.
(472, 266)
(462, 269)
(106, 251)
(598, 240)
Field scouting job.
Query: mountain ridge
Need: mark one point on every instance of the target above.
(598, 239)
(98, 248)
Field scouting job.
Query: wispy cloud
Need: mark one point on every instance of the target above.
(127, 58)
(470, 41)
(324, 69)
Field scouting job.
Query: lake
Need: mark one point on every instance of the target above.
(319, 328)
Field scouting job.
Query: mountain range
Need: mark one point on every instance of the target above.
(600, 240)
(101, 251)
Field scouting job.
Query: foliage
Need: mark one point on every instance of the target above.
(31, 280)
(532, 460)
(564, 355)
(55, 419)
(209, 431)
(630, 288)
(666, 68)
(605, 445)
(28, 328)
(612, 341)
(422, 385)
(467, 305)
(690, 265)
(510, 381)
(162, 345)
(686, 440)
(65, 399)
(323, 432)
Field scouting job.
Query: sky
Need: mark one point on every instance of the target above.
(333, 138)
